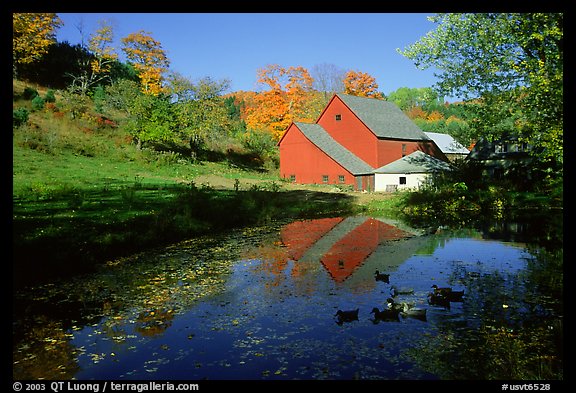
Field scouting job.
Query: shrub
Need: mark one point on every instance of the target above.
(29, 93)
(19, 117)
(37, 103)
(50, 97)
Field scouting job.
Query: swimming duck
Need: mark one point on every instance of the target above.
(451, 295)
(394, 291)
(438, 300)
(382, 277)
(441, 291)
(385, 315)
(347, 316)
(455, 296)
(415, 312)
(400, 307)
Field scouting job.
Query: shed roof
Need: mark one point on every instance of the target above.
(416, 162)
(385, 119)
(447, 144)
(319, 137)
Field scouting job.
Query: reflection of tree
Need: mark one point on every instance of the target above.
(45, 353)
(504, 332)
(154, 322)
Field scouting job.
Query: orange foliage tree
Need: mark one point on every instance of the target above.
(32, 35)
(416, 112)
(285, 100)
(149, 59)
(361, 84)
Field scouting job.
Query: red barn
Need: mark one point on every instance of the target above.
(352, 137)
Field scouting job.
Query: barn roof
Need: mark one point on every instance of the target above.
(447, 144)
(416, 162)
(385, 119)
(344, 157)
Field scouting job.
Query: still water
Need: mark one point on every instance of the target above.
(261, 303)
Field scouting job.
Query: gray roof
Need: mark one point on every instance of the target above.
(447, 144)
(318, 136)
(385, 119)
(416, 162)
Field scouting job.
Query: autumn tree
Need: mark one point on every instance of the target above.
(361, 84)
(32, 35)
(285, 100)
(149, 59)
(96, 67)
(512, 63)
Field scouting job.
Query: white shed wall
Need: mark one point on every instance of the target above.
(413, 180)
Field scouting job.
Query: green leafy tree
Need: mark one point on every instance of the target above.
(407, 98)
(200, 111)
(511, 64)
(152, 119)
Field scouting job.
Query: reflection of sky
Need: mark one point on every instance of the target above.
(277, 318)
(420, 272)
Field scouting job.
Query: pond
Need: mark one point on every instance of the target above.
(261, 303)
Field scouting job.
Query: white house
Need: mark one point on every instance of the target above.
(410, 171)
(452, 149)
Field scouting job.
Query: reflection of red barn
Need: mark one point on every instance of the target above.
(299, 236)
(348, 251)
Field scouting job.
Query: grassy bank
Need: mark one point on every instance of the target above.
(72, 212)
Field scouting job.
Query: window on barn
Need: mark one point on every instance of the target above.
(341, 179)
(324, 178)
(403, 149)
(402, 179)
(338, 117)
(293, 178)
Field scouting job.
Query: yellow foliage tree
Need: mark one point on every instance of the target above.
(100, 45)
(149, 59)
(361, 84)
(32, 35)
(435, 116)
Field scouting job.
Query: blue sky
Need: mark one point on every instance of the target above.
(235, 45)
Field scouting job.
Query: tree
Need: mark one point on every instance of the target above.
(149, 59)
(200, 110)
(361, 84)
(328, 79)
(513, 64)
(285, 101)
(407, 98)
(32, 35)
(97, 66)
(103, 51)
(152, 119)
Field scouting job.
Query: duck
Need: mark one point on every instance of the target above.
(394, 291)
(438, 300)
(415, 312)
(347, 316)
(382, 277)
(441, 291)
(385, 315)
(455, 296)
(449, 293)
(400, 307)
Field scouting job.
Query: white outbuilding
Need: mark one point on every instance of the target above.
(408, 172)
